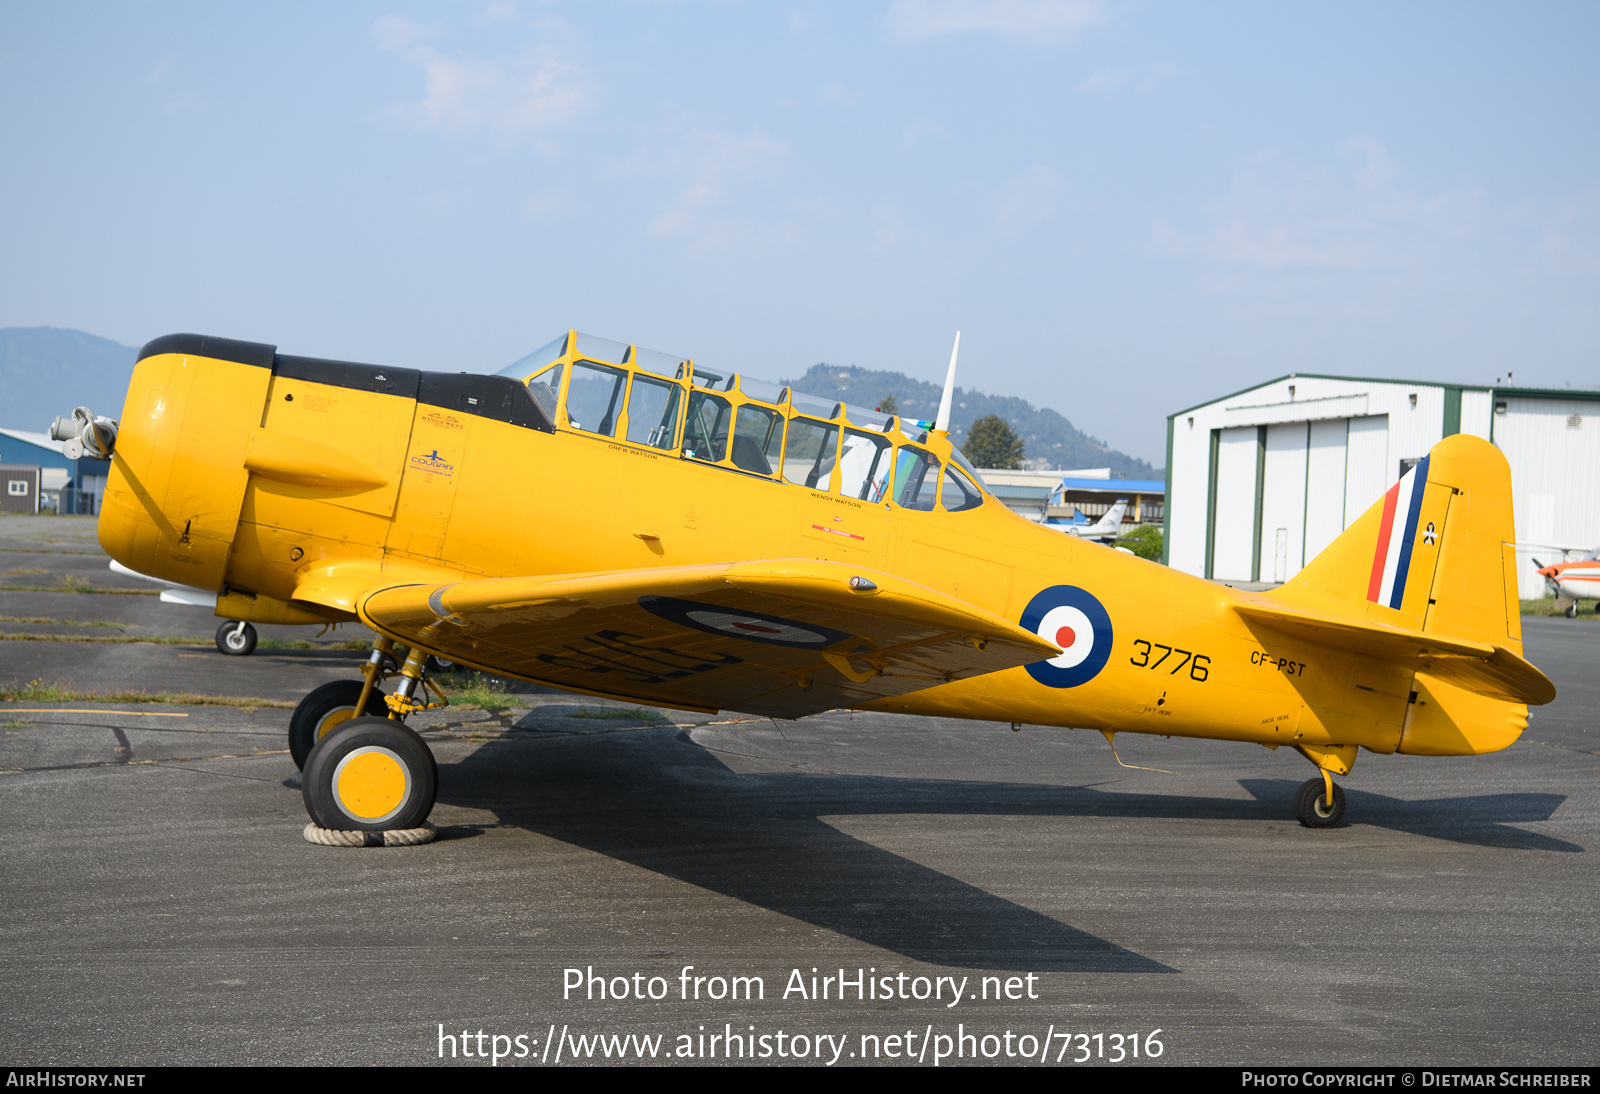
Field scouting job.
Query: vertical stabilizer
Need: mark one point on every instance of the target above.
(1433, 554)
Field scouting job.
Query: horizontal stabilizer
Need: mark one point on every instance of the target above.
(784, 637)
(1481, 667)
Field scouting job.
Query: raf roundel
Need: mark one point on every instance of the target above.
(772, 630)
(1074, 620)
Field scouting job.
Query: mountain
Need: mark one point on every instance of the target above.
(1046, 434)
(46, 371)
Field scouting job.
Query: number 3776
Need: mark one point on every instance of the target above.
(1198, 663)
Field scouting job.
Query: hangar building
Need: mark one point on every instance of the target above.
(1258, 482)
(63, 485)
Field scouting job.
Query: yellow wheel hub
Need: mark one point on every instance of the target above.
(333, 721)
(371, 784)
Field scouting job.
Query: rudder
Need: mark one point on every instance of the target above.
(1433, 554)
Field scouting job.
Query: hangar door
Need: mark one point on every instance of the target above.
(1280, 493)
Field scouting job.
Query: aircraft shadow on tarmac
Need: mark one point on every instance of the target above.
(660, 801)
(1483, 820)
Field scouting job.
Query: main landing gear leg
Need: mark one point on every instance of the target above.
(1319, 803)
(366, 771)
(338, 701)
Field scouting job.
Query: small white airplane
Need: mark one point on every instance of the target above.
(1106, 530)
(1572, 582)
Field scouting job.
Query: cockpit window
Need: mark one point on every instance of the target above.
(604, 348)
(653, 412)
(764, 390)
(594, 397)
(864, 465)
(916, 479)
(813, 446)
(546, 389)
(705, 432)
(958, 494)
(536, 360)
(757, 439)
(810, 404)
(959, 457)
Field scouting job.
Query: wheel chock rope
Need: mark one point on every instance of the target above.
(394, 837)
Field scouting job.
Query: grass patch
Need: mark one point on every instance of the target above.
(37, 691)
(1547, 606)
(162, 639)
(119, 639)
(619, 714)
(308, 644)
(14, 573)
(38, 619)
(49, 551)
(473, 689)
(77, 586)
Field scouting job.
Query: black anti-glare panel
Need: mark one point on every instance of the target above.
(497, 397)
(205, 345)
(385, 381)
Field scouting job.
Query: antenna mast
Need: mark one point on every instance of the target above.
(942, 423)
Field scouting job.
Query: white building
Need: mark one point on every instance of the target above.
(1258, 482)
(1033, 492)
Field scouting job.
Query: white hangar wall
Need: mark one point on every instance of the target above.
(1262, 480)
(1552, 441)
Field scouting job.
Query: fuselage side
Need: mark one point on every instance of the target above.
(250, 477)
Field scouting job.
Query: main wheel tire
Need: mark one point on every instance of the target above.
(324, 710)
(370, 775)
(236, 639)
(1312, 811)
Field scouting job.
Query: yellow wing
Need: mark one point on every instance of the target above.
(786, 637)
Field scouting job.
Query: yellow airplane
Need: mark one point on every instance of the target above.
(621, 523)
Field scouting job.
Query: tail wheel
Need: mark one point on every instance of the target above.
(1572, 610)
(236, 638)
(324, 710)
(1311, 807)
(369, 775)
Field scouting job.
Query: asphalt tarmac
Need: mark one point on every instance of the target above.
(160, 906)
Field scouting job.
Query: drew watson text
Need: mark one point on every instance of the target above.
(866, 985)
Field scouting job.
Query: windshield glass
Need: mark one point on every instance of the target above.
(602, 348)
(594, 395)
(653, 412)
(864, 465)
(812, 449)
(546, 389)
(966, 465)
(662, 364)
(916, 475)
(705, 432)
(764, 390)
(533, 362)
(958, 494)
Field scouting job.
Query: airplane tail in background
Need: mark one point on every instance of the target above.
(1111, 523)
(1428, 575)
(1108, 525)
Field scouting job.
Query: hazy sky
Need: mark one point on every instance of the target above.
(1126, 208)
